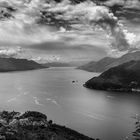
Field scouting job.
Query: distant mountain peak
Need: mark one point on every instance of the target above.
(109, 62)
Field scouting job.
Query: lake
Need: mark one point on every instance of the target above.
(59, 93)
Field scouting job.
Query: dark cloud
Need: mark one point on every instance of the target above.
(63, 46)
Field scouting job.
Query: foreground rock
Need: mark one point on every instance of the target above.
(34, 126)
(124, 78)
(13, 64)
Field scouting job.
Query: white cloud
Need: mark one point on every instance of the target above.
(84, 18)
(114, 2)
(132, 4)
(91, 14)
(10, 52)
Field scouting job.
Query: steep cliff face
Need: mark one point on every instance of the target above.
(33, 125)
(125, 77)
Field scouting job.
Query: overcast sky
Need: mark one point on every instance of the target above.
(94, 32)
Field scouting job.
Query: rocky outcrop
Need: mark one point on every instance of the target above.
(33, 125)
(136, 134)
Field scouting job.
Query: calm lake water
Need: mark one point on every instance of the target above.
(98, 114)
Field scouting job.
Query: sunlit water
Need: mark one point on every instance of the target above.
(98, 114)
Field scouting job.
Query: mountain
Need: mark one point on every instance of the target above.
(98, 66)
(125, 77)
(75, 63)
(108, 62)
(56, 64)
(33, 125)
(13, 64)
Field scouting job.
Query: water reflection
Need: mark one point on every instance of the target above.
(108, 116)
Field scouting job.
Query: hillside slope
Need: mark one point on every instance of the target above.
(108, 62)
(13, 64)
(125, 77)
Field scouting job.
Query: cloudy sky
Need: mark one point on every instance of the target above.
(64, 31)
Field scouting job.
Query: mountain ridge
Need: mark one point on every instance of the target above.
(13, 64)
(109, 62)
